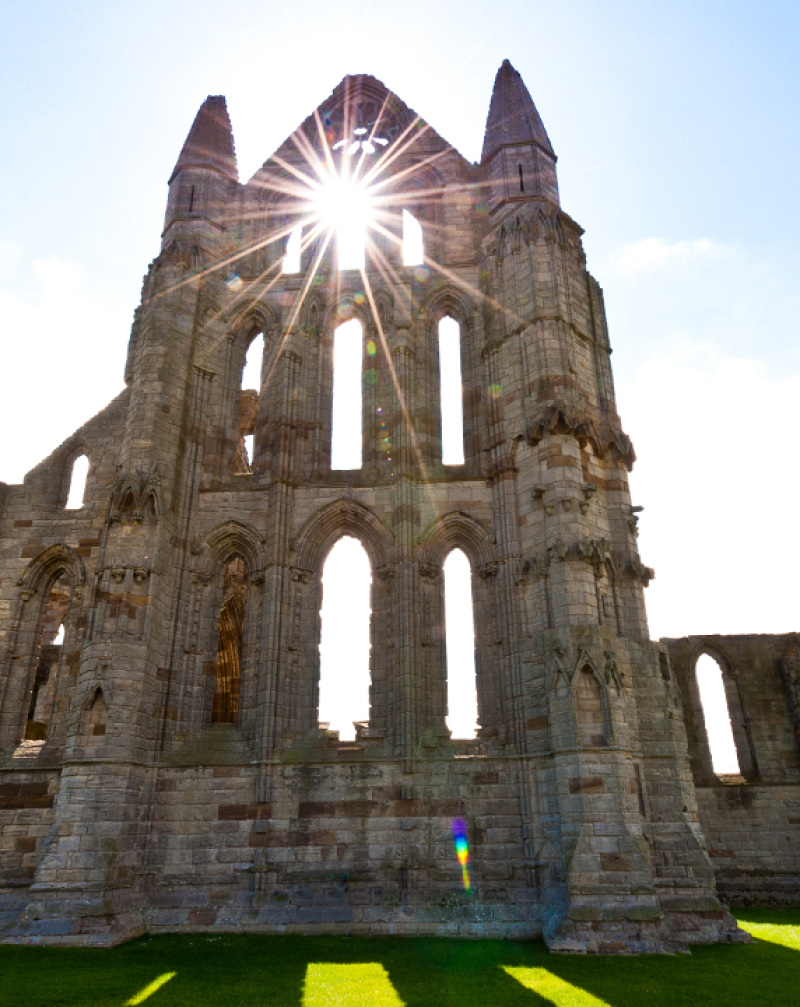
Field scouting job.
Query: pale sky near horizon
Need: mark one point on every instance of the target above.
(678, 139)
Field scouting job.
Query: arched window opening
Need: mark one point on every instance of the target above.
(344, 646)
(228, 669)
(413, 247)
(451, 392)
(590, 710)
(77, 484)
(294, 248)
(462, 695)
(248, 406)
(49, 649)
(346, 437)
(253, 361)
(717, 718)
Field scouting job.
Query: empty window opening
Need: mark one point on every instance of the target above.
(451, 392)
(345, 638)
(717, 717)
(346, 439)
(48, 660)
(77, 484)
(462, 695)
(413, 248)
(228, 669)
(253, 361)
(191, 200)
(294, 248)
(521, 180)
(248, 449)
(590, 710)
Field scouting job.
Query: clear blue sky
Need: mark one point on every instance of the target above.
(677, 133)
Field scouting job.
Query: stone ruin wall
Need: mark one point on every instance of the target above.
(588, 799)
(751, 823)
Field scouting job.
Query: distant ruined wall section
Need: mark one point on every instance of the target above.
(751, 824)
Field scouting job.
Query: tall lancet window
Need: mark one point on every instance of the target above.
(228, 669)
(346, 438)
(344, 640)
(77, 484)
(248, 406)
(293, 254)
(413, 250)
(462, 697)
(451, 392)
(717, 717)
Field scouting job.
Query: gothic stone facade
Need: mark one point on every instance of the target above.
(162, 766)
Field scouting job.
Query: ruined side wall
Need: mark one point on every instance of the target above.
(751, 823)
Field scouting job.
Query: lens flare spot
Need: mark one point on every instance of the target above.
(372, 349)
(421, 273)
(359, 297)
(459, 828)
(234, 283)
(495, 391)
(370, 376)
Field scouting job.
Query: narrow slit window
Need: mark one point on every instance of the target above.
(228, 669)
(191, 200)
(521, 180)
(346, 439)
(294, 245)
(716, 714)
(344, 647)
(413, 245)
(451, 392)
(462, 696)
(77, 485)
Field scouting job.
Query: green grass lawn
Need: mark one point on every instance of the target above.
(235, 970)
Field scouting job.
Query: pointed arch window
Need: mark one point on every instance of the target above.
(41, 704)
(717, 716)
(248, 405)
(462, 696)
(77, 483)
(293, 254)
(344, 648)
(452, 408)
(228, 667)
(346, 425)
(590, 710)
(413, 244)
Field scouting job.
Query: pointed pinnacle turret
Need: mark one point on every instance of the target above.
(210, 140)
(512, 115)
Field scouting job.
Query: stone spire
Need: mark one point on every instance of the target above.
(512, 115)
(210, 140)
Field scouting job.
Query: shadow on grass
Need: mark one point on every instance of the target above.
(244, 970)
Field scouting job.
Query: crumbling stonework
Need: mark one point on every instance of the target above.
(174, 774)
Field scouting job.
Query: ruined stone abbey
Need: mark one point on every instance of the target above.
(162, 761)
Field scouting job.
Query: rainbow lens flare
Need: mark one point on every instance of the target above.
(462, 849)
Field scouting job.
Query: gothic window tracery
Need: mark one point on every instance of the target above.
(227, 670)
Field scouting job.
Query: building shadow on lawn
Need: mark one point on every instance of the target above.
(240, 970)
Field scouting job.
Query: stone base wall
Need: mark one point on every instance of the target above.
(753, 836)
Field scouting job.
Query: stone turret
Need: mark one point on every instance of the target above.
(205, 168)
(516, 147)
